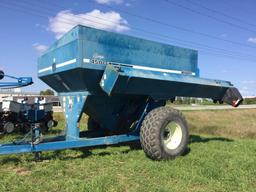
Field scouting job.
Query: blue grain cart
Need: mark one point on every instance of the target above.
(122, 83)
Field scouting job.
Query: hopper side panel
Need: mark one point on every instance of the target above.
(60, 59)
(113, 47)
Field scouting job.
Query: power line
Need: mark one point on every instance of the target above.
(209, 16)
(152, 33)
(162, 37)
(177, 27)
(220, 13)
(165, 38)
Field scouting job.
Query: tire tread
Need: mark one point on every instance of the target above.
(149, 132)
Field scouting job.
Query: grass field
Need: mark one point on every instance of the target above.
(221, 157)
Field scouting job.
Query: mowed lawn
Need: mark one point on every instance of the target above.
(221, 157)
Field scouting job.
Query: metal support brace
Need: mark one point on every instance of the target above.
(73, 104)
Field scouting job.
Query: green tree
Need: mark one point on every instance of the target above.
(47, 92)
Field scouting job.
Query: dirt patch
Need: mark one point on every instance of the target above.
(21, 171)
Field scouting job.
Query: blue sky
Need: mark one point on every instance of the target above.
(223, 31)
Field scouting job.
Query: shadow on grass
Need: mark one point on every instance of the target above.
(14, 160)
(135, 145)
(86, 152)
(199, 139)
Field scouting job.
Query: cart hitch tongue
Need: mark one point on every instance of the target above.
(232, 97)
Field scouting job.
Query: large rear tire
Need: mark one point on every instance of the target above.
(164, 134)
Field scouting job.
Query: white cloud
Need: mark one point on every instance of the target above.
(252, 40)
(109, 1)
(249, 82)
(39, 47)
(66, 20)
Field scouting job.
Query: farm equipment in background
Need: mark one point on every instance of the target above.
(20, 81)
(47, 121)
(10, 111)
(122, 83)
(18, 116)
(12, 114)
(21, 115)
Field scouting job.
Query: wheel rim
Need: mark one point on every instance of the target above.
(9, 127)
(50, 124)
(172, 135)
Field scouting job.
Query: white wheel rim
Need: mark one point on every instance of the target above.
(9, 127)
(172, 135)
(50, 124)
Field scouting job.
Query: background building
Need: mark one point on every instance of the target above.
(18, 95)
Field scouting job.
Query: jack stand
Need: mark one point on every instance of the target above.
(36, 134)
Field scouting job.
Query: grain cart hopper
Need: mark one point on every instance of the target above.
(122, 83)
